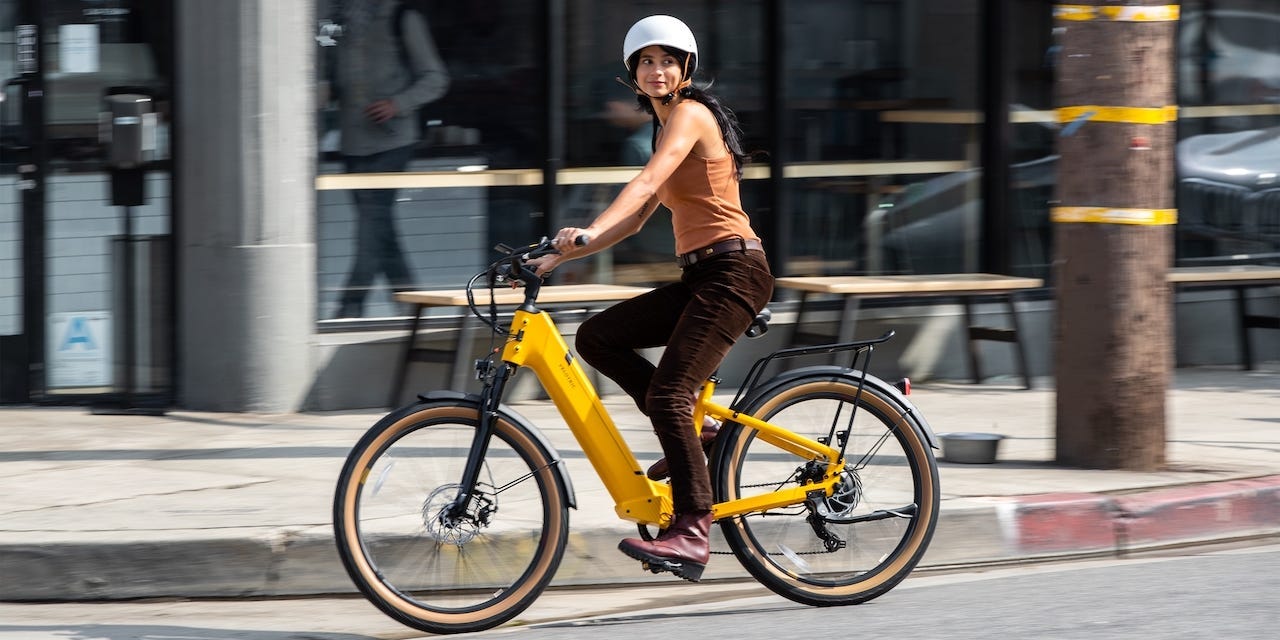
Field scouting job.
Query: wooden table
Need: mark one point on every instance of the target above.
(572, 296)
(1239, 278)
(964, 286)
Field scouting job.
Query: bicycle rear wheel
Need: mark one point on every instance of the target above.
(449, 574)
(878, 521)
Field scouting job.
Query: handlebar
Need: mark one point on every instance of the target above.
(511, 269)
(512, 266)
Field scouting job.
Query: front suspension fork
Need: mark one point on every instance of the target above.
(490, 399)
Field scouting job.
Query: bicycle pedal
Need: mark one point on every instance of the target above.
(651, 568)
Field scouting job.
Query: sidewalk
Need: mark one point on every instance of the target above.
(202, 504)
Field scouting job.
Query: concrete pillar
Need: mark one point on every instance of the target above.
(245, 210)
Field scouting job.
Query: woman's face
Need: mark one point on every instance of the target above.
(658, 73)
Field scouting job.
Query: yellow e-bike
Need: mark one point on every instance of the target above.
(452, 513)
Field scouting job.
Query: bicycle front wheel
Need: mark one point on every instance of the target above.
(862, 540)
(435, 571)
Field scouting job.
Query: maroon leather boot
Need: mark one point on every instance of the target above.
(682, 548)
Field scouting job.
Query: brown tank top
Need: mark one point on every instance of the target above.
(705, 205)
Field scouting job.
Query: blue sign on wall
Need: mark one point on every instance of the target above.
(79, 354)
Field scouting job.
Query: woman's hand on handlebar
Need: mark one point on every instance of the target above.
(544, 264)
(568, 241)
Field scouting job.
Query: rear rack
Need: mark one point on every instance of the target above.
(861, 351)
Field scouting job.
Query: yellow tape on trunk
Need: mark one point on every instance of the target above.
(1107, 215)
(1125, 13)
(1130, 115)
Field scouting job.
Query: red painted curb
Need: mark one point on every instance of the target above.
(1236, 507)
(1058, 522)
(1085, 522)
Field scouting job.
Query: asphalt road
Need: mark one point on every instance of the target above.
(1192, 593)
(1195, 594)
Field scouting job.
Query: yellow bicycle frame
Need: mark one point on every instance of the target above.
(536, 343)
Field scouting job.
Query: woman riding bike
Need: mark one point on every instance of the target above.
(695, 171)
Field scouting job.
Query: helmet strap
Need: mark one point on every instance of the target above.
(684, 83)
(666, 100)
(630, 85)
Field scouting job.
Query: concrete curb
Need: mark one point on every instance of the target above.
(303, 561)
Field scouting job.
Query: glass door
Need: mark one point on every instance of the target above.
(85, 251)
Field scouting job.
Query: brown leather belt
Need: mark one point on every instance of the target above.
(717, 249)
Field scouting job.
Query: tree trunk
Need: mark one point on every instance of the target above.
(1113, 225)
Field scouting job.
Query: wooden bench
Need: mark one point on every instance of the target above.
(571, 296)
(1239, 278)
(965, 286)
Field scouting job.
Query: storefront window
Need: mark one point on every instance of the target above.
(881, 139)
(469, 106)
(881, 102)
(1229, 132)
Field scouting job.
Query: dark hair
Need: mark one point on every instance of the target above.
(725, 118)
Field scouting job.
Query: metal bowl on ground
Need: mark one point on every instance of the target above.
(970, 448)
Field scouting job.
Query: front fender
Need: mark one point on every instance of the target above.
(510, 415)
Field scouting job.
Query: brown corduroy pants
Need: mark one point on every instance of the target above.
(697, 319)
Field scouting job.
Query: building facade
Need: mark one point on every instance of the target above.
(890, 136)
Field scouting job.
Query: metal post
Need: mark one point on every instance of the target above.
(779, 229)
(993, 241)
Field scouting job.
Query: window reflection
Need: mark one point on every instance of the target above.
(872, 83)
(882, 118)
(128, 49)
(489, 117)
(1229, 152)
(1033, 155)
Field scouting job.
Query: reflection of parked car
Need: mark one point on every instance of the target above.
(1239, 56)
(1229, 193)
(1228, 205)
(933, 227)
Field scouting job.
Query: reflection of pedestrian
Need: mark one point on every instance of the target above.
(653, 242)
(387, 67)
(638, 145)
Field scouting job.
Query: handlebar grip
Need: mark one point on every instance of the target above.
(581, 240)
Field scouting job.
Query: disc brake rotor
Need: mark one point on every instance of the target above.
(845, 495)
(440, 526)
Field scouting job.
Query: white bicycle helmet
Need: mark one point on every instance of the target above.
(660, 30)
